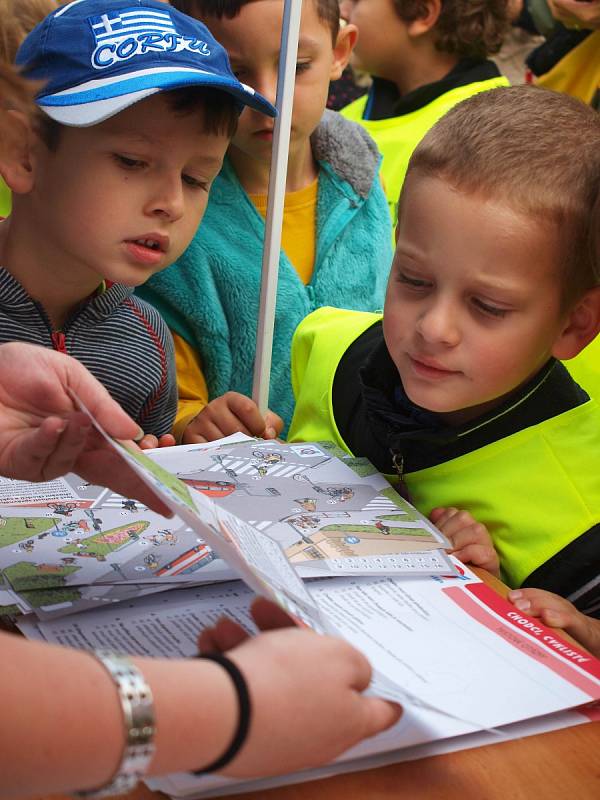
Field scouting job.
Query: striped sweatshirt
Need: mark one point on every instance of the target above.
(122, 341)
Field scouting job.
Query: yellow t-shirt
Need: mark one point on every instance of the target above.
(578, 73)
(298, 235)
(191, 386)
(298, 239)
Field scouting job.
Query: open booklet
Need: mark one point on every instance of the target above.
(66, 546)
(459, 658)
(465, 664)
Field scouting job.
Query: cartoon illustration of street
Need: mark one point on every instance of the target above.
(343, 510)
(63, 538)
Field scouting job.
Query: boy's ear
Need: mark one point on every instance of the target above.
(346, 39)
(430, 11)
(582, 326)
(16, 164)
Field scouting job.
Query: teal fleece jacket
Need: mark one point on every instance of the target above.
(210, 296)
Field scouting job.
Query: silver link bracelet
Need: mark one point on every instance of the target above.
(138, 716)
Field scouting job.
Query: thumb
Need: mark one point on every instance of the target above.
(379, 715)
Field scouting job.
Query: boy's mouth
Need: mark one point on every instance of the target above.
(147, 249)
(264, 133)
(427, 367)
(154, 242)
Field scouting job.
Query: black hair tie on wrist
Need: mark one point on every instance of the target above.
(244, 709)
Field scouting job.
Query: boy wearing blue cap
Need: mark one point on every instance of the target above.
(110, 181)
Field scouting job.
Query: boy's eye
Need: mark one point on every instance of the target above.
(487, 308)
(416, 283)
(302, 66)
(128, 163)
(194, 183)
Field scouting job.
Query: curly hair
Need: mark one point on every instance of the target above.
(466, 28)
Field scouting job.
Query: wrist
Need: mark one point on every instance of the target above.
(244, 712)
(138, 725)
(196, 711)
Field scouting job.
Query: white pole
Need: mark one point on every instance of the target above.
(290, 30)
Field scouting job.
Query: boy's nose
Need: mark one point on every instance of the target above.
(438, 324)
(167, 200)
(267, 86)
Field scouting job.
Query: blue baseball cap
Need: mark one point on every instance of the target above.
(97, 57)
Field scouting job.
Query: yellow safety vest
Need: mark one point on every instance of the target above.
(397, 137)
(5, 200)
(536, 490)
(585, 368)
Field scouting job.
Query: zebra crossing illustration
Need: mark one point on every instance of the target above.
(380, 504)
(251, 467)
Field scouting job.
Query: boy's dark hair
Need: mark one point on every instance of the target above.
(221, 112)
(535, 151)
(466, 28)
(327, 10)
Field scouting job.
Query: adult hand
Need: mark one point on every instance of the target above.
(576, 13)
(43, 435)
(296, 677)
(226, 633)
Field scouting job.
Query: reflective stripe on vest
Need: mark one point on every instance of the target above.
(536, 490)
(397, 137)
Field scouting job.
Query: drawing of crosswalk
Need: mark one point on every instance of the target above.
(116, 501)
(244, 466)
(382, 504)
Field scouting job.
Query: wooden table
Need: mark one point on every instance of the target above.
(561, 765)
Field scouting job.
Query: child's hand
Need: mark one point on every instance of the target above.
(557, 612)
(471, 542)
(231, 413)
(149, 441)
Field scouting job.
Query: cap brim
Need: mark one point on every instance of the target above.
(97, 100)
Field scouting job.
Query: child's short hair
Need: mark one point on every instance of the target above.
(220, 113)
(17, 19)
(535, 150)
(466, 28)
(328, 10)
(15, 93)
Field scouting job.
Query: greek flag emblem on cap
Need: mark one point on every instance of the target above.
(115, 26)
(124, 33)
